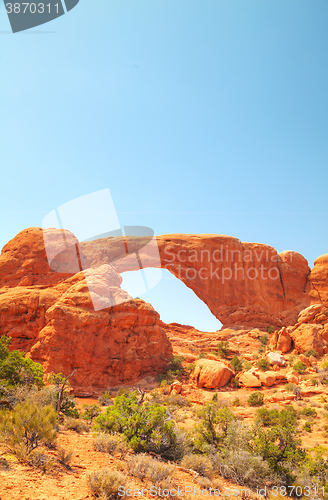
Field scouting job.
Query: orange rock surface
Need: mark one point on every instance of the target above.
(241, 283)
(53, 319)
(211, 374)
(48, 310)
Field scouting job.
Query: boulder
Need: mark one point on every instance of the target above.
(267, 378)
(284, 342)
(211, 374)
(276, 359)
(291, 377)
(308, 336)
(248, 379)
(305, 360)
(176, 387)
(318, 280)
(313, 360)
(307, 315)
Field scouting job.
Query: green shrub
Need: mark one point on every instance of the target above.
(263, 365)
(264, 339)
(309, 412)
(202, 355)
(105, 399)
(236, 364)
(307, 427)
(275, 439)
(146, 426)
(311, 352)
(283, 418)
(110, 443)
(236, 401)
(270, 329)
(314, 381)
(190, 368)
(75, 424)
(256, 399)
(236, 383)
(223, 349)
(105, 483)
(27, 426)
(15, 369)
(299, 367)
(213, 426)
(173, 370)
(247, 364)
(65, 457)
(90, 412)
(290, 387)
(142, 466)
(198, 463)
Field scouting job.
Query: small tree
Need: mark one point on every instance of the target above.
(236, 364)
(65, 403)
(276, 441)
(90, 412)
(215, 420)
(15, 369)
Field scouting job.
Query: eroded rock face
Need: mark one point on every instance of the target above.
(111, 347)
(243, 284)
(51, 316)
(309, 336)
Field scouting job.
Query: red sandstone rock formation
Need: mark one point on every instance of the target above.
(51, 316)
(241, 283)
(114, 346)
(47, 310)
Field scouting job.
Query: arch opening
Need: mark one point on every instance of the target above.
(171, 298)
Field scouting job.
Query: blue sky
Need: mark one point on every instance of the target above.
(201, 116)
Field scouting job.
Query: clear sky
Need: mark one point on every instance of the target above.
(200, 116)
